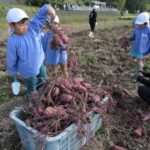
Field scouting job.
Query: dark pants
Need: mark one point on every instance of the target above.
(144, 93)
(92, 25)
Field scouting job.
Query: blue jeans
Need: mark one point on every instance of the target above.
(34, 83)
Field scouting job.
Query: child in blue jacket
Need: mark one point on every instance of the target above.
(141, 38)
(25, 53)
(55, 47)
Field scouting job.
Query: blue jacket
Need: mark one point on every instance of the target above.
(25, 52)
(141, 38)
(53, 57)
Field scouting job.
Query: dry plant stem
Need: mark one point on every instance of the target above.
(49, 89)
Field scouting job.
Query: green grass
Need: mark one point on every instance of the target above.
(85, 59)
(4, 92)
(4, 97)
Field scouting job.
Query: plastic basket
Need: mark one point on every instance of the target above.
(67, 140)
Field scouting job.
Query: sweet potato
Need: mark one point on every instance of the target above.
(49, 111)
(64, 38)
(96, 98)
(146, 117)
(78, 87)
(138, 132)
(40, 110)
(60, 111)
(86, 84)
(64, 89)
(67, 84)
(77, 80)
(66, 98)
(72, 61)
(55, 91)
(54, 111)
(58, 39)
(116, 147)
(56, 42)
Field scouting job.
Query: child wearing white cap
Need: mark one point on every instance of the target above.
(25, 53)
(55, 43)
(141, 38)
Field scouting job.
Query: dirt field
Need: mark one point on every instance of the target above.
(103, 62)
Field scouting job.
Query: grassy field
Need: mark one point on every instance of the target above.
(75, 21)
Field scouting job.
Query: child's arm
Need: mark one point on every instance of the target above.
(132, 36)
(39, 20)
(11, 57)
(44, 40)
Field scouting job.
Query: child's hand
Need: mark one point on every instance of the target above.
(140, 73)
(51, 13)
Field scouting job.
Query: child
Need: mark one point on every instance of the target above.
(141, 38)
(24, 48)
(55, 47)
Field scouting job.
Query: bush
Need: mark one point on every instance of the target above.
(39, 2)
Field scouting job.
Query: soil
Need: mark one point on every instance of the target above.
(102, 61)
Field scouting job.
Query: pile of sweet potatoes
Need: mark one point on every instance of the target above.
(61, 102)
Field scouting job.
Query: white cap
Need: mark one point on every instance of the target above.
(95, 7)
(142, 18)
(15, 15)
(56, 19)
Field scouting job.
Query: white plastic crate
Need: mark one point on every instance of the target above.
(66, 140)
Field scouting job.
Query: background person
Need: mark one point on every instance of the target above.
(92, 20)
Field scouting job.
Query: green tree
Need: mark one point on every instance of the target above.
(138, 5)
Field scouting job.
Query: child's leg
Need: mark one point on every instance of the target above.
(31, 86)
(41, 78)
(34, 83)
(140, 64)
(54, 69)
(64, 69)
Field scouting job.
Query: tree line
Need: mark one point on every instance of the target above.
(130, 5)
